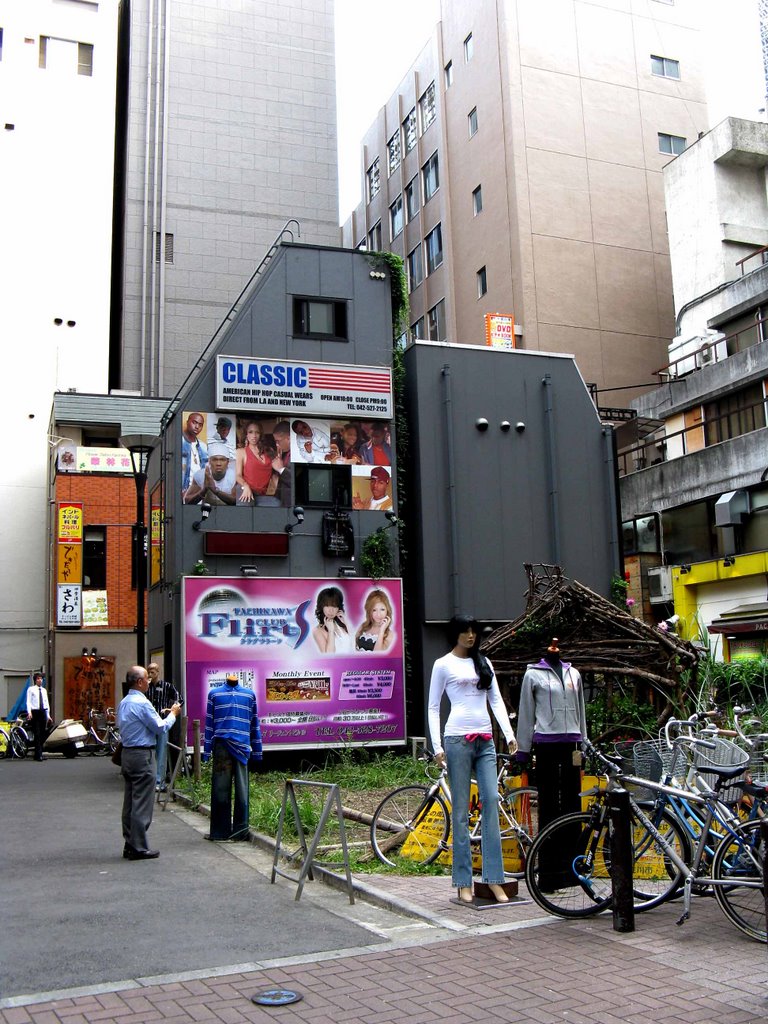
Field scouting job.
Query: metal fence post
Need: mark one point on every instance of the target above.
(196, 749)
(622, 860)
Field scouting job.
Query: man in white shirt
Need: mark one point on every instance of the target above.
(39, 712)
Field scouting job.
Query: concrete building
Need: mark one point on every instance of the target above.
(518, 167)
(694, 495)
(227, 130)
(57, 80)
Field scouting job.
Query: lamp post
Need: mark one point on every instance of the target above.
(140, 446)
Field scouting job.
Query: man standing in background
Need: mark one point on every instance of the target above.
(162, 695)
(39, 712)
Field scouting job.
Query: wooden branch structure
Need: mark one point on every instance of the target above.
(606, 643)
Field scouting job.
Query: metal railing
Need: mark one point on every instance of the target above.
(712, 352)
(655, 451)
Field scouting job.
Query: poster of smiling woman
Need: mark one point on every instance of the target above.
(324, 657)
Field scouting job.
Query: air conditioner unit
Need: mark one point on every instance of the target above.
(660, 585)
(707, 355)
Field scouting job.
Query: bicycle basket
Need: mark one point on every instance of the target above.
(758, 764)
(654, 759)
(725, 760)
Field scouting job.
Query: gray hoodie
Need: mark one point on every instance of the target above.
(551, 710)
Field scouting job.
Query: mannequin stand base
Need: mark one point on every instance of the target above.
(483, 898)
(483, 890)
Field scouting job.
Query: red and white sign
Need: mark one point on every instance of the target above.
(500, 330)
(311, 389)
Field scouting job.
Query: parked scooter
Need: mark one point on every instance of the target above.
(67, 738)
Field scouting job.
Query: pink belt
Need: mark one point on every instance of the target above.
(478, 736)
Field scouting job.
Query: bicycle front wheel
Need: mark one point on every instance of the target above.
(412, 822)
(740, 861)
(19, 743)
(567, 867)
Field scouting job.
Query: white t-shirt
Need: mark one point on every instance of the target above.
(457, 678)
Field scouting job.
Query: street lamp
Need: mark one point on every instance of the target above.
(140, 446)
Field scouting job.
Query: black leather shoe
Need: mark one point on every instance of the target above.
(126, 850)
(143, 854)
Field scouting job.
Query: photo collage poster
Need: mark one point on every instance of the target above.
(241, 459)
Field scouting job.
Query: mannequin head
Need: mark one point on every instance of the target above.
(464, 631)
(552, 653)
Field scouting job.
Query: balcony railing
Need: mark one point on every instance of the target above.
(662, 447)
(714, 351)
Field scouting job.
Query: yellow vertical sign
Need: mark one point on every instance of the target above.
(69, 564)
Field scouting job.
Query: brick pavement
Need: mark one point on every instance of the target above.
(508, 965)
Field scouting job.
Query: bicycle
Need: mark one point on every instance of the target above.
(19, 738)
(415, 821)
(664, 863)
(102, 736)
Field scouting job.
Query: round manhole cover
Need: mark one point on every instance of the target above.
(276, 997)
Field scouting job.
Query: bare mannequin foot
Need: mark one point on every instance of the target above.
(498, 892)
(465, 893)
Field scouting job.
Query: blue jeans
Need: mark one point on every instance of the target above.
(228, 773)
(161, 751)
(465, 759)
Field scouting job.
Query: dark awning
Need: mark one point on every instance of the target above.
(747, 618)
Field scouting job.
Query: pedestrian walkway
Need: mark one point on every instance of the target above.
(412, 957)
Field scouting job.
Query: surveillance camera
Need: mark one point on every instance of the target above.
(481, 423)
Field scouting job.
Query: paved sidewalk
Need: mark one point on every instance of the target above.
(419, 958)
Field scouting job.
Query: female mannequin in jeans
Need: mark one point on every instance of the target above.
(466, 677)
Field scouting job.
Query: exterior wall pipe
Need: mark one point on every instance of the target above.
(612, 478)
(554, 503)
(146, 241)
(452, 513)
(156, 385)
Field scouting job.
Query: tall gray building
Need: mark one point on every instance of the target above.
(228, 117)
(517, 169)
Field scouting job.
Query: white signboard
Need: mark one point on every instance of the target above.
(313, 389)
(69, 611)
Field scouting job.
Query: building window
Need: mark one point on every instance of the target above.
(434, 247)
(472, 121)
(427, 107)
(436, 322)
(735, 414)
(323, 486)
(430, 176)
(95, 558)
(374, 238)
(409, 130)
(469, 48)
(417, 329)
(320, 318)
(412, 199)
(448, 74)
(477, 200)
(372, 180)
(674, 144)
(168, 247)
(393, 152)
(66, 55)
(415, 270)
(482, 282)
(396, 217)
(665, 67)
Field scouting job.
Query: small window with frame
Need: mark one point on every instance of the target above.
(320, 318)
(323, 486)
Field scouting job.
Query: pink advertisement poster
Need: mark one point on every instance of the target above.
(324, 657)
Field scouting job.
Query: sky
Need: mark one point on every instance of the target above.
(365, 81)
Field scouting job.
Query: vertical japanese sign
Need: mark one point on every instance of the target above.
(500, 330)
(156, 536)
(69, 564)
(323, 656)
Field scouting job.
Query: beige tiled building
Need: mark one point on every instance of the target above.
(517, 169)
